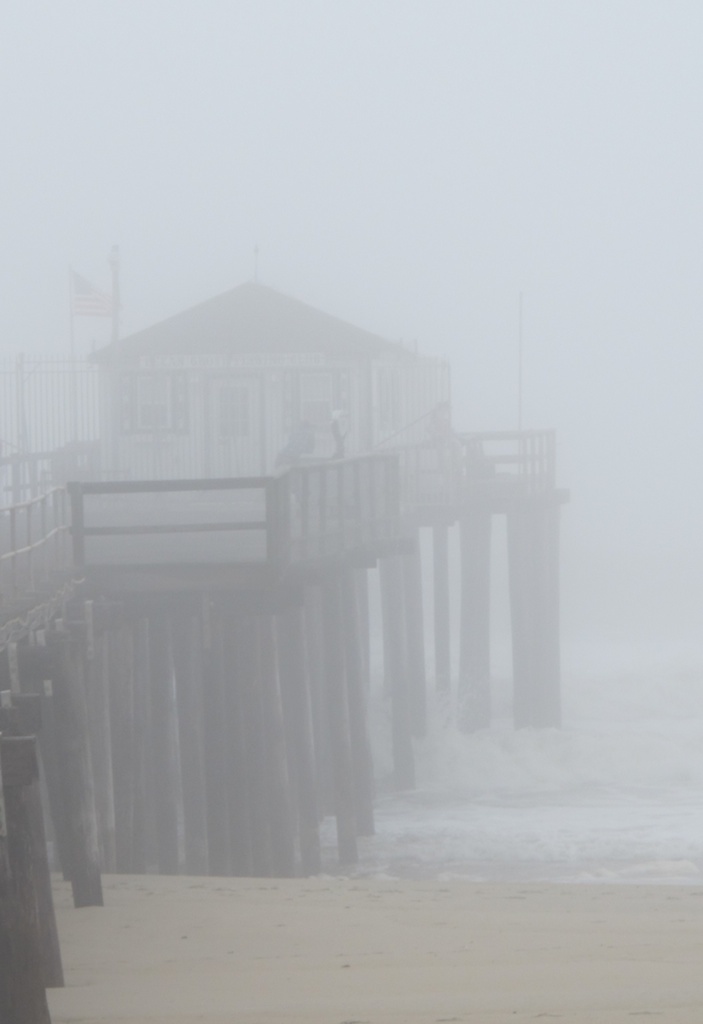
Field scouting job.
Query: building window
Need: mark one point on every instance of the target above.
(152, 402)
(234, 411)
(154, 407)
(316, 399)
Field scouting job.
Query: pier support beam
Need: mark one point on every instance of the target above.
(442, 613)
(163, 745)
(279, 792)
(355, 664)
(295, 691)
(533, 538)
(338, 718)
(415, 637)
(474, 696)
(75, 765)
(396, 663)
(185, 644)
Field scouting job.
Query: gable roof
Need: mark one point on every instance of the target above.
(251, 318)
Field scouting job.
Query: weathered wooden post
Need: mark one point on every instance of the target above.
(185, 641)
(29, 858)
(533, 535)
(99, 723)
(474, 696)
(395, 658)
(295, 691)
(35, 668)
(415, 637)
(442, 611)
(314, 632)
(357, 699)
(338, 719)
(214, 711)
(237, 746)
(143, 803)
(22, 991)
(75, 764)
(119, 658)
(257, 788)
(163, 745)
(279, 796)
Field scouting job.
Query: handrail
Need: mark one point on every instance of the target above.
(314, 510)
(35, 534)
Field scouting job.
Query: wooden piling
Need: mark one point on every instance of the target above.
(75, 764)
(120, 692)
(357, 704)
(338, 720)
(295, 692)
(395, 658)
(257, 787)
(415, 637)
(237, 747)
(185, 642)
(217, 804)
(22, 991)
(474, 695)
(279, 797)
(442, 609)
(314, 631)
(100, 745)
(143, 798)
(23, 719)
(163, 745)
(36, 672)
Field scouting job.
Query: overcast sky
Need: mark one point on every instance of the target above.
(409, 166)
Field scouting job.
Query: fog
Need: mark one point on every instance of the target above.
(412, 167)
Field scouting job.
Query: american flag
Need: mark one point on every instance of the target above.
(87, 300)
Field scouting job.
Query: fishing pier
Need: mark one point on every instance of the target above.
(193, 653)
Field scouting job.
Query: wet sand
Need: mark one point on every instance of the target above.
(337, 951)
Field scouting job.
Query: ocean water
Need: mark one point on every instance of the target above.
(615, 795)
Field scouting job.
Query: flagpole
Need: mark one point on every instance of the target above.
(114, 262)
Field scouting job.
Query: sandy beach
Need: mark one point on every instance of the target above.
(337, 951)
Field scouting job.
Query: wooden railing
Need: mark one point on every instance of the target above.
(33, 544)
(313, 511)
(527, 457)
(444, 471)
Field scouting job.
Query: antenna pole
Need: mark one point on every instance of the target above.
(519, 365)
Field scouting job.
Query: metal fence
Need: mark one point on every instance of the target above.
(46, 403)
